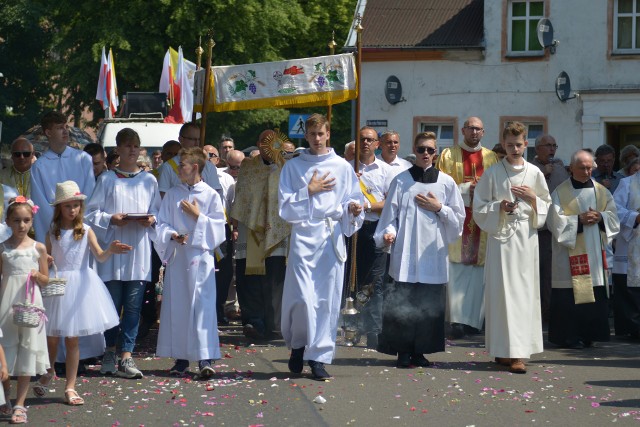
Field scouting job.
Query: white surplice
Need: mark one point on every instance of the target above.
(188, 323)
(317, 253)
(420, 253)
(511, 272)
(627, 199)
(112, 195)
(51, 169)
(565, 230)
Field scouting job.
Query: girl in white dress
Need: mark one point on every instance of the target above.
(21, 259)
(85, 308)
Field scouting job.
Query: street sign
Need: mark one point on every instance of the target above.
(296, 125)
(377, 123)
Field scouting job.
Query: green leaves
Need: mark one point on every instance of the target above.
(50, 51)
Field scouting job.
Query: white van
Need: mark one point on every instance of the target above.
(154, 133)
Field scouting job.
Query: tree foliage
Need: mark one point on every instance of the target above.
(50, 51)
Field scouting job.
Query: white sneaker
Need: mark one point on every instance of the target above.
(109, 362)
(128, 369)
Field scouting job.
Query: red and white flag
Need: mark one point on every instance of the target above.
(107, 92)
(177, 82)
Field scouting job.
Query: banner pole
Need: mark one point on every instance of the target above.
(205, 90)
(199, 52)
(332, 50)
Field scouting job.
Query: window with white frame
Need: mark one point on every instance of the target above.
(626, 20)
(523, 17)
(444, 133)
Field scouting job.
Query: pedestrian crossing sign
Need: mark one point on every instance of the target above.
(296, 125)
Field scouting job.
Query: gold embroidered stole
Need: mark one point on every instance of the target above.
(451, 162)
(578, 256)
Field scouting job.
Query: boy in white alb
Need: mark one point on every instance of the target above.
(123, 207)
(190, 226)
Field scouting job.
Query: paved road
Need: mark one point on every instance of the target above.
(592, 387)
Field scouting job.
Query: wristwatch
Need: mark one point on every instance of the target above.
(367, 207)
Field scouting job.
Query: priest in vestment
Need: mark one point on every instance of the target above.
(321, 198)
(510, 203)
(583, 220)
(626, 268)
(466, 163)
(423, 213)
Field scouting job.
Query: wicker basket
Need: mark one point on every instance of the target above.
(28, 314)
(56, 285)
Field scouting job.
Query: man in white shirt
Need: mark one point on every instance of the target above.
(371, 261)
(390, 144)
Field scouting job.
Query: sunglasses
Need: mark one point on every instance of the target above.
(234, 168)
(212, 155)
(421, 150)
(19, 154)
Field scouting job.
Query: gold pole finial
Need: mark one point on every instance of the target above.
(199, 52)
(332, 44)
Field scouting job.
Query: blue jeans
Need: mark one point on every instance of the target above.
(127, 297)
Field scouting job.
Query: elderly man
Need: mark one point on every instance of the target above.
(262, 242)
(350, 151)
(583, 219)
(234, 161)
(371, 261)
(604, 173)
(555, 173)
(211, 153)
(466, 163)
(18, 175)
(628, 154)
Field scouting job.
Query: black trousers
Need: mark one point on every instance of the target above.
(257, 294)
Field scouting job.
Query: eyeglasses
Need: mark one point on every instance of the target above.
(474, 129)
(421, 150)
(18, 154)
(212, 155)
(549, 145)
(369, 139)
(234, 168)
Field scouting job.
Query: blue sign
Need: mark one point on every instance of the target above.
(296, 125)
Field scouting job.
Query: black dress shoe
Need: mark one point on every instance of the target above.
(456, 331)
(404, 360)
(318, 372)
(296, 361)
(419, 360)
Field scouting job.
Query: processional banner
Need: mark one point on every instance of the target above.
(295, 83)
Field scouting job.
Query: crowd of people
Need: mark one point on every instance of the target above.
(446, 244)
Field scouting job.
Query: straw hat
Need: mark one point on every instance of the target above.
(67, 191)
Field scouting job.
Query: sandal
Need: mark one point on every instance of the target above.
(40, 389)
(72, 397)
(6, 410)
(19, 415)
